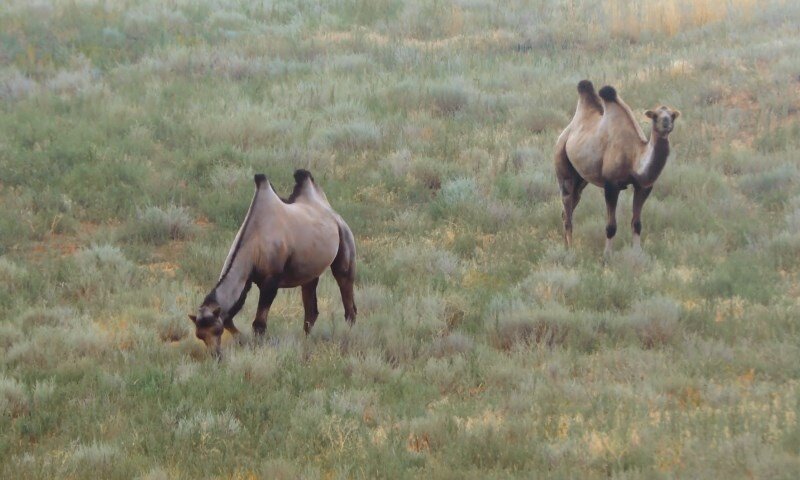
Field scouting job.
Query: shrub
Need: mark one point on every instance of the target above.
(9, 335)
(156, 225)
(459, 191)
(446, 373)
(13, 398)
(101, 269)
(453, 343)
(257, 366)
(173, 328)
(156, 473)
(513, 324)
(12, 278)
(538, 120)
(368, 369)
(655, 321)
(43, 391)
(448, 99)
(552, 284)
(742, 273)
(100, 458)
(771, 186)
(279, 469)
(350, 137)
(352, 402)
(205, 423)
(14, 85)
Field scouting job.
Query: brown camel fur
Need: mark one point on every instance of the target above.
(281, 244)
(604, 145)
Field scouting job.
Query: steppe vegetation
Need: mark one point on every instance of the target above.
(129, 134)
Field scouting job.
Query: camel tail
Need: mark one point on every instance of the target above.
(588, 98)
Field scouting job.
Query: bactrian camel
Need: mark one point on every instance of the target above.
(281, 244)
(604, 145)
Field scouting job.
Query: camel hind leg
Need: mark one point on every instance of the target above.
(571, 184)
(344, 271)
(310, 304)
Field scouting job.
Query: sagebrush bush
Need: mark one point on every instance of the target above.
(14, 85)
(511, 323)
(159, 225)
(549, 285)
(253, 366)
(101, 269)
(656, 321)
(47, 317)
(453, 343)
(204, 423)
(14, 399)
(448, 99)
(173, 328)
(370, 368)
(350, 137)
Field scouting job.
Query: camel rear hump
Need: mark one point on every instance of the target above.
(305, 188)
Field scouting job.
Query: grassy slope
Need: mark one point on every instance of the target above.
(128, 137)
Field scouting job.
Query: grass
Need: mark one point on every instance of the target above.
(129, 134)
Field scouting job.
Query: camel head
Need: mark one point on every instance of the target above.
(663, 119)
(208, 326)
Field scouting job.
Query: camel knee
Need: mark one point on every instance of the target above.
(611, 230)
(637, 226)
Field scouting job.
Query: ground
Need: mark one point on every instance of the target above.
(129, 134)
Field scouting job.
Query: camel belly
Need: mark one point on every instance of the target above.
(587, 159)
(313, 251)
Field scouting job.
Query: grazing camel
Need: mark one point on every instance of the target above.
(604, 145)
(281, 244)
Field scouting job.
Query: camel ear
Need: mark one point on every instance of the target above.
(675, 114)
(650, 114)
(193, 318)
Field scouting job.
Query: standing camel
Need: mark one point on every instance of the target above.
(604, 145)
(281, 244)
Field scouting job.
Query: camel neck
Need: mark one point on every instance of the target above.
(230, 291)
(652, 162)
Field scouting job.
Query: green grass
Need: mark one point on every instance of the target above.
(129, 134)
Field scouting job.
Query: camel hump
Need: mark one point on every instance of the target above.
(608, 93)
(588, 97)
(300, 175)
(585, 86)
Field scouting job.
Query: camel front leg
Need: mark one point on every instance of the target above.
(310, 304)
(231, 328)
(612, 195)
(640, 195)
(268, 290)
